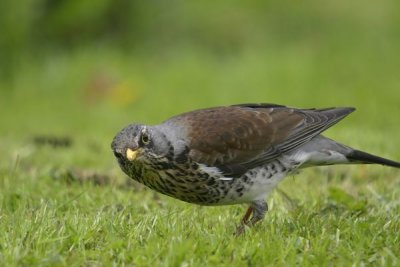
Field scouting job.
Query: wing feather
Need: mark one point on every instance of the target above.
(241, 137)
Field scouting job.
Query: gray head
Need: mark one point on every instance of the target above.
(138, 142)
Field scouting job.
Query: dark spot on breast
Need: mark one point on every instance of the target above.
(183, 156)
(179, 179)
(170, 175)
(169, 183)
(211, 182)
(181, 174)
(195, 166)
(240, 189)
(164, 165)
(204, 175)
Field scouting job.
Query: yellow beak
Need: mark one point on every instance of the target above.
(131, 154)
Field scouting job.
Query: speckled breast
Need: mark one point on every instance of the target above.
(184, 181)
(191, 183)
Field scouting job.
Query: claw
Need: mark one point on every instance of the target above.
(258, 209)
(245, 221)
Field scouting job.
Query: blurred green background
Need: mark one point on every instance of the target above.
(84, 69)
(73, 73)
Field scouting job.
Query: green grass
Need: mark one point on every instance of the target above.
(335, 216)
(72, 206)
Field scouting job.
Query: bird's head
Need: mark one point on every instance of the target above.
(140, 143)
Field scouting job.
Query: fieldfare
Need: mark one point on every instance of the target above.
(235, 154)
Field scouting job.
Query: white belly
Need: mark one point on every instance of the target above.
(259, 183)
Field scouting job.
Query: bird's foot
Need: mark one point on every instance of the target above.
(258, 209)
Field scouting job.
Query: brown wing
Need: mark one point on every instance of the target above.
(238, 138)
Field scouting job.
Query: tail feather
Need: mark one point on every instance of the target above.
(358, 156)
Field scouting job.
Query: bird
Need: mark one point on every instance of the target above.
(233, 154)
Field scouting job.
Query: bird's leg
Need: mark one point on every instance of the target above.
(258, 208)
(245, 219)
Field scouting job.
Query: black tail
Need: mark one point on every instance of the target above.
(363, 157)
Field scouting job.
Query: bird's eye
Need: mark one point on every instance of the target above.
(145, 138)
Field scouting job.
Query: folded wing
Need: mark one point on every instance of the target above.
(238, 138)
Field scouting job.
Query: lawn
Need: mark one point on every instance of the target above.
(65, 202)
